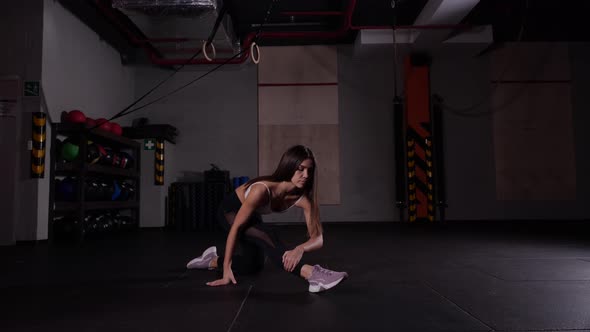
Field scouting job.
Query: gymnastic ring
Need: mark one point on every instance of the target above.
(257, 59)
(205, 51)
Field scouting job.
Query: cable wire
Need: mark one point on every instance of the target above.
(255, 39)
(466, 111)
(395, 63)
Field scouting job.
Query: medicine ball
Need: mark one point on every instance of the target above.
(69, 151)
(116, 129)
(76, 116)
(90, 123)
(116, 191)
(103, 124)
(66, 189)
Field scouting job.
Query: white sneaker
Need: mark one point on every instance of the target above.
(203, 261)
(323, 279)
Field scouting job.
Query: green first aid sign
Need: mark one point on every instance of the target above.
(32, 89)
(148, 144)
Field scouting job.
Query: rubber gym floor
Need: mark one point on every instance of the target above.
(477, 276)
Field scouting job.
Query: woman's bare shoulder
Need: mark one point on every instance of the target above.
(257, 195)
(303, 202)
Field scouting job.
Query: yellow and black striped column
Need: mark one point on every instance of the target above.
(412, 202)
(38, 150)
(159, 163)
(418, 129)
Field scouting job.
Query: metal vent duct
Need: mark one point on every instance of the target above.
(178, 28)
(168, 7)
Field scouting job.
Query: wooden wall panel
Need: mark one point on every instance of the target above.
(298, 64)
(534, 142)
(531, 62)
(532, 122)
(298, 105)
(321, 139)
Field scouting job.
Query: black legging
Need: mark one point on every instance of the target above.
(255, 239)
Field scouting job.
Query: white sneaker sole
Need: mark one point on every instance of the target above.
(198, 260)
(322, 287)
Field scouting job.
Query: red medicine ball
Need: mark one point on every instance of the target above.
(104, 124)
(76, 116)
(90, 122)
(116, 129)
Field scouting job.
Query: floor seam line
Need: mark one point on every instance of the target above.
(239, 310)
(458, 306)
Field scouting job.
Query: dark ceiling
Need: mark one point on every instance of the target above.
(366, 12)
(540, 20)
(544, 20)
(322, 15)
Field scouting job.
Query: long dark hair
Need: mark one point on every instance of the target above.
(290, 160)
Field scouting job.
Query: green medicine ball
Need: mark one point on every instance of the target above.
(69, 151)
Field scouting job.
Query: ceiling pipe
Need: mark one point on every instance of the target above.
(341, 32)
(169, 40)
(413, 27)
(158, 60)
(312, 13)
(188, 50)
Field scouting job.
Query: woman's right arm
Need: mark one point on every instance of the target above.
(257, 197)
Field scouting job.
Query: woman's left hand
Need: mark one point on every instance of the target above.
(291, 258)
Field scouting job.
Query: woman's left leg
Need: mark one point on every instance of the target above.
(266, 238)
(319, 278)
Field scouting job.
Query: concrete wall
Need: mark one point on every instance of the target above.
(21, 30)
(464, 80)
(10, 109)
(579, 55)
(77, 71)
(80, 71)
(217, 120)
(153, 197)
(365, 97)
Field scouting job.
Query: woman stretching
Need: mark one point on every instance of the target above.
(292, 184)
